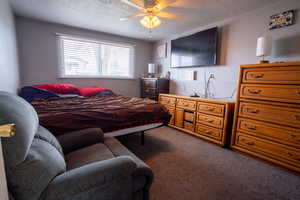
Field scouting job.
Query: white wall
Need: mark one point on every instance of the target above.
(238, 46)
(3, 185)
(9, 73)
(39, 58)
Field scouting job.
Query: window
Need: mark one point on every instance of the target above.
(92, 59)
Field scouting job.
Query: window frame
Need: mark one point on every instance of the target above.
(60, 52)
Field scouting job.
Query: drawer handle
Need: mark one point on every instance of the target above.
(209, 120)
(254, 91)
(250, 143)
(294, 137)
(251, 127)
(251, 110)
(297, 117)
(209, 132)
(293, 156)
(257, 75)
(210, 109)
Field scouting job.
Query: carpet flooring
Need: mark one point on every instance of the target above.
(187, 168)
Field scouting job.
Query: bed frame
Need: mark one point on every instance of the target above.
(137, 129)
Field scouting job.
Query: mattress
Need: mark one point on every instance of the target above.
(109, 112)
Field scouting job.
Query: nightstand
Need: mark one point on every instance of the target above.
(152, 87)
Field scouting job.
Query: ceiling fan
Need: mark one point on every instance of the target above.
(151, 11)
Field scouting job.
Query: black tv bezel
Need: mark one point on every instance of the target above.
(216, 47)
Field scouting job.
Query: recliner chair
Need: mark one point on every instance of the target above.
(82, 165)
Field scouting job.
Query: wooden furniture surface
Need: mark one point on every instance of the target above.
(151, 87)
(205, 118)
(267, 113)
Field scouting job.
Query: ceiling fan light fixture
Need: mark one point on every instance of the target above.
(150, 21)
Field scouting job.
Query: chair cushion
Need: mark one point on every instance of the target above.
(30, 178)
(102, 151)
(14, 109)
(87, 155)
(45, 135)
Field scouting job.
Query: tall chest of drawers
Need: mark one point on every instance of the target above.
(267, 113)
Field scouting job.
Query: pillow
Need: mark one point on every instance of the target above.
(59, 88)
(91, 91)
(30, 93)
(68, 95)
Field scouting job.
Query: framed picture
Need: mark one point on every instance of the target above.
(161, 51)
(282, 19)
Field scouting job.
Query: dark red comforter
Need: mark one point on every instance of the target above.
(110, 112)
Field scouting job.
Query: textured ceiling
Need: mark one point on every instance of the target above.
(103, 15)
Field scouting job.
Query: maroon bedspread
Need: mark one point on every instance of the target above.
(110, 112)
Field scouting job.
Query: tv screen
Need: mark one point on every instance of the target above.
(195, 50)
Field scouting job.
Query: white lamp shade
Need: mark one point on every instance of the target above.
(152, 68)
(264, 46)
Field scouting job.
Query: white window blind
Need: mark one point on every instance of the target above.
(85, 58)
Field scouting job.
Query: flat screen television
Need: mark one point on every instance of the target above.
(199, 49)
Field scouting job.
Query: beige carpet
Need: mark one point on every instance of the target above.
(187, 168)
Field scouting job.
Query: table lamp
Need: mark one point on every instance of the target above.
(152, 69)
(264, 48)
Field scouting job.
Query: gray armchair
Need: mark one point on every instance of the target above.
(82, 165)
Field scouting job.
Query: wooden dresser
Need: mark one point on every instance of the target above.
(267, 114)
(207, 119)
(151, 87)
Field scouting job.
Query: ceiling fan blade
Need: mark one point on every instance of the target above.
(169, 15)
(162, 4)
(133, 16)
(133, 4)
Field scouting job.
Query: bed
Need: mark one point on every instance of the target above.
(115, 114)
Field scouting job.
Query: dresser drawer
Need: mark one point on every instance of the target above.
(271, 149)
(281, 134)
(149, 83)
(170, 108)
(189, 116)
(276, 114)
(189, 126)
(275, 75)
(281, 93)
(209, 131)
(186, 104)
(209, 108)
(150, 96)
(150, 91)
(210, 120)
(167, 100)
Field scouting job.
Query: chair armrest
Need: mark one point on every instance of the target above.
(78, 139)
(107, 180)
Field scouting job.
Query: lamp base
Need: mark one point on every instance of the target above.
(264, 62)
